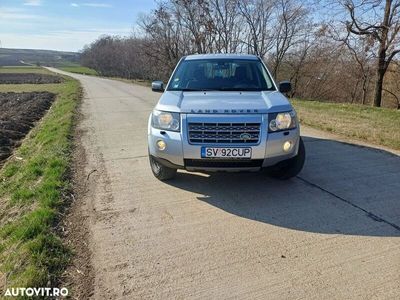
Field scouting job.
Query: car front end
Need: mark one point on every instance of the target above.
(249, 136)
(222, 130)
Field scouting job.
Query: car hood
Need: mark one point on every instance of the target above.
(223, 102)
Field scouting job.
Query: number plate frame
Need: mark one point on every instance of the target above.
(226, 152)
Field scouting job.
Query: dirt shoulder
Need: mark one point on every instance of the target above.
(78, 277)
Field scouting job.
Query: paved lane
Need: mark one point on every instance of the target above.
(331, 233)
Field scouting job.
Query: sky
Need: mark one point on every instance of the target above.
(66, 25)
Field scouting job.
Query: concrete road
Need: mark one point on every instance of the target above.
(331, 233)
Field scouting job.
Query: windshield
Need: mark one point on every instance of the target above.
(220, 75)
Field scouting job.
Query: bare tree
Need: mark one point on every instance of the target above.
(380, 21)
(290, 29)
(362, 52)
(166, 40)
(298, 59)
(258, 17)
(225, 24)
(393, 83)
(192, 15)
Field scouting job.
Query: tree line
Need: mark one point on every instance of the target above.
(340, 51)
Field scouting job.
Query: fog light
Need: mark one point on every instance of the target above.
(161, 145)
(287, 146)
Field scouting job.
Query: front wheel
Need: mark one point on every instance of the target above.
(291, 167)
(160, 171)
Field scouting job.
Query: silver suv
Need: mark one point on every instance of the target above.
(224, 112)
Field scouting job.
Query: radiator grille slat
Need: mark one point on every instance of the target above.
(224, 133)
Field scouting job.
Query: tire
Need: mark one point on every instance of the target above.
(160, 171)
(291, 167)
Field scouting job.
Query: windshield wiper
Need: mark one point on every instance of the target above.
(230, 89)
(193, 90)
(225, 89)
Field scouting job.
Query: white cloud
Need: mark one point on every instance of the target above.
(12, 14)
(66, 40)
(103, 5)
(33, 2)
(92, 4)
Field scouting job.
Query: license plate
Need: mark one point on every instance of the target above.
(213, 152)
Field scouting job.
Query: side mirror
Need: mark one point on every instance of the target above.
(157, 86)
(285, 86)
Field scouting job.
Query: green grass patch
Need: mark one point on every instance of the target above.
(32, 189)
(371, 124)
(80, 70)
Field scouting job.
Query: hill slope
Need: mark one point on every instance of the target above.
(20, 57)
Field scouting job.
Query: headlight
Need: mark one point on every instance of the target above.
(165, 120)
(282, 121)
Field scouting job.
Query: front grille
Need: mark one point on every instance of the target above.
(224, 133)
(216, 163)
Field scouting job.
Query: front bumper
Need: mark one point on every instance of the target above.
(179, 153)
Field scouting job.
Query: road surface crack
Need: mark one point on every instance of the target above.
(369, 214)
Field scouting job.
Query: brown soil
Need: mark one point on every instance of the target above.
(78, 277)
(18, 113)
(34, 78)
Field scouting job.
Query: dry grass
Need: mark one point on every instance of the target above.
(379, 126)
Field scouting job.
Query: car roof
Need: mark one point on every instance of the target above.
(221, 56)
